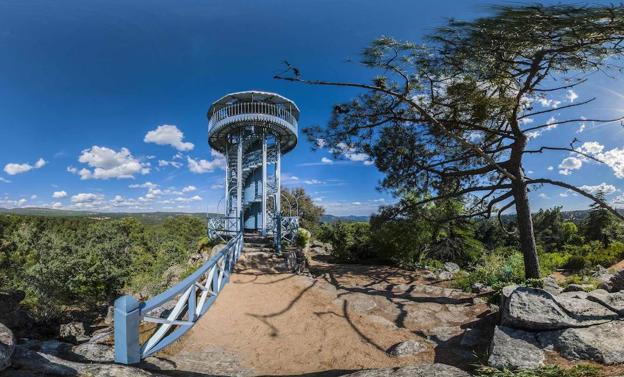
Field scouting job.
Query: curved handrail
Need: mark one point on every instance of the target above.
(193, 296)
(252, 108)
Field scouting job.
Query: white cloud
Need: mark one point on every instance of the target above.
(313, 182)
(59, 194)
(551, 123)
(195, 198)
(168, 135)
(4, 180)
(350, 153)
(189, 189)
(326, 160)
(107, 163)
(33, 197)
(320, 143)
(591, 147)
(356, 203)
(217, 186)
(568, 164)
(543, 196)
(85, 197)
(603, 187)
(545, 102)
(175, 164)
(581, 128)
(614, 158)
(205, 166)
(15, 168)
(57, 205)
(527, 121)
(550, 168)
(571, 96)
(148, 185)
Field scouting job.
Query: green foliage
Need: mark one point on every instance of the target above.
(296, 202)
(546, 371)
(350, 241)
(82, 262)
(497, 269)
(601, 225)
(303, 237)
(576, 263)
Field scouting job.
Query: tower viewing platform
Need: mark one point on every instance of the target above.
(252, 129)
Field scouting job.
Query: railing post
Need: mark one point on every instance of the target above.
(278, 234)
(127, 320)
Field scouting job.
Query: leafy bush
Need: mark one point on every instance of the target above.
(351, 242)
(303, 237)
(576, 263)
(497, 269)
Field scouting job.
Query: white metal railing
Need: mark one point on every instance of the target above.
(222, 226)
(279, 111)
(193, 296)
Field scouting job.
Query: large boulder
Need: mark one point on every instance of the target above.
(94, 352)
(616, 283)
(7, 346)
(535, 309)
(427, 370)
(602, 343)
(512, 348)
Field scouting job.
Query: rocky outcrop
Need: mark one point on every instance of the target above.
(577, 324)
(407, 348)
(7, 346)
(535, 309)
(428, 370)
(512, 348)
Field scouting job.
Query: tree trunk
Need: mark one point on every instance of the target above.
(525, 229)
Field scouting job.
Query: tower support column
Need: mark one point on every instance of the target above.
(227, 182)
(239, 179)
(278, 183)
(264, 183)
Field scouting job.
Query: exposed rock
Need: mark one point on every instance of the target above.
(445, 275)
(7, 346)
(478, 288)
(73, 331)
(110, 315)
(444, 333)
(511, 348)
(577, 288)
(536, 309)
(94, 352)
(613, 301)
(602, 343)
(407, 348)
(584, 310)
(617, 282)
(40, 364)
(428, 370)
(603, 276)
(104, 336)
(451, 267)
(550, 285)
(53, 347)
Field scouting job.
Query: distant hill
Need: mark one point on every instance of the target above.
(145, 217)
(350, 218)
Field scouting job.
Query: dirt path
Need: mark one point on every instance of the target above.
(345, 319)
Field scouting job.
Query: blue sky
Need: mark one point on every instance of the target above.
(82, 84)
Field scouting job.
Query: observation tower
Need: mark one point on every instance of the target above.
(252, 130)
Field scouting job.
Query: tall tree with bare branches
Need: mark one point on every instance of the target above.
(449, 118)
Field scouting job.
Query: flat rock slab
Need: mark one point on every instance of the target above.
(603, 343)
(428, 370)
(613, 301)
(535, 309)
(511, 348)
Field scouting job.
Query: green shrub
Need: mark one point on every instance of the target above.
(303, 238)
(496, 270)
(576, 263)
(351, 242)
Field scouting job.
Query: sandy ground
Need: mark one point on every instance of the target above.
(283, 324)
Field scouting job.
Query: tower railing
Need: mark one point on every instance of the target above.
(249, 108)
(191, 298)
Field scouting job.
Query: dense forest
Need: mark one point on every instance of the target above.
(84, 263)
